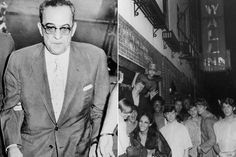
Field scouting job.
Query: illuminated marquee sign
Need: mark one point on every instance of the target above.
(215, 56)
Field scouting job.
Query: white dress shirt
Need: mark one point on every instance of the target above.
(57, 68)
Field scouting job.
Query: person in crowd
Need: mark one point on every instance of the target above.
(193, 125)
(136, 97)
(105, 144)
(208, 138)
(187, 103)
(148, 139)
(182, 113)
(131, 121)
(176, 134)
(148, 78)
(55, 90)
(225, 130)
(159, 118)
(125, 110)
(7, 45)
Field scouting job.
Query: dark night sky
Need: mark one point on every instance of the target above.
(223, 84)
(230, 26)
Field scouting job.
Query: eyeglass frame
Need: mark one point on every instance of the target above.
(44, 26)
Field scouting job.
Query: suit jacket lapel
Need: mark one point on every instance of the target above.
(40, 74)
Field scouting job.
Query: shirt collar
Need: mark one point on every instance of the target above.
(60, 56)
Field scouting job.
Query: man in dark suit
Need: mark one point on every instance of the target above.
(6, 47)
(55, 91)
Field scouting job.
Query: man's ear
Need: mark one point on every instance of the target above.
(40, 28)
(73, 29)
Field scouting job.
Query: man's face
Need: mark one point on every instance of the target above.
(193, 111)
(178, 106)
(186, 103)
(58, 17)
(157, 106)
(133, 116)
(227, 109)
(151, 72)
(170, 116)
(201, 109)
(127, 111)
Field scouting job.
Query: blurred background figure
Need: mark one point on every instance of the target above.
(3, 11)
(225, 130)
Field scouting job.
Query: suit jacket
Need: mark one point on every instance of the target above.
(34, 127)
(208, 138)
(6, 47)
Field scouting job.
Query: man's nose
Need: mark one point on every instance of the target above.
(57, 34)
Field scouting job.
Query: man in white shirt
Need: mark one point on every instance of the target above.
(55, 91)
(176, 134)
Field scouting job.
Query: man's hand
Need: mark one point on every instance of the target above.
(92, 151)
(105, 146)
(14, 152)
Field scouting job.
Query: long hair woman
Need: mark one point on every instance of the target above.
(147, 139)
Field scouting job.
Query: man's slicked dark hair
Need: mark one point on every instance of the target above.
(202, 102)
(169, 108)
(55, 3)
(228, 101)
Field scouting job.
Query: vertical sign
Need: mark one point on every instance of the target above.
(215, 57)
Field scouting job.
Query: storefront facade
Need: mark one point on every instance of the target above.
(142, 42)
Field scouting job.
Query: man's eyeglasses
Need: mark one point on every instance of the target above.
(50, 29)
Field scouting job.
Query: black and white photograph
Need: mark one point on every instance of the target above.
(117, 78)
(58, 70)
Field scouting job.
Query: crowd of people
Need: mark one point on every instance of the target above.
(54, 94)
(182, 128)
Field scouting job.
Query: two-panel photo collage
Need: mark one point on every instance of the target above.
(117, 78)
